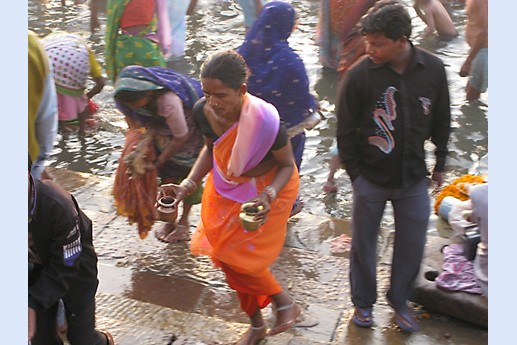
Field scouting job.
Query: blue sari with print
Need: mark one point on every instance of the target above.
(278, 73)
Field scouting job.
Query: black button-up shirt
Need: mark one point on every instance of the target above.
(385, 118)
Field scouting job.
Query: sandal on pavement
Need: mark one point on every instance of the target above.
(279, 328)
(405, 320)
(109, 338)
(363, 317)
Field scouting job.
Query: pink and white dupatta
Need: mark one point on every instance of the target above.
(257, 131)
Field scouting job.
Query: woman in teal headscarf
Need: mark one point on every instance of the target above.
(161, 100)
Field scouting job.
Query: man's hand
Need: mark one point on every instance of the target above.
(32, 323)
(437, 177)
(465, 68)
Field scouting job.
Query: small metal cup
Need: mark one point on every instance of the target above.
(247, 215)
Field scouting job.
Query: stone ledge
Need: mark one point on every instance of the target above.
(462, 305)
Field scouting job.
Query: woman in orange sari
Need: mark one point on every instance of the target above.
(248, 158)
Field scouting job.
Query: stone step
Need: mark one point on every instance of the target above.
(133, 322)
(151, 292)
(188, 295)
(461, 305)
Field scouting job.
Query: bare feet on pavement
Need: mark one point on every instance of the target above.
(172, 233)
(252, 336)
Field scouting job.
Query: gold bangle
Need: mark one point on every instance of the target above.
(270, 192)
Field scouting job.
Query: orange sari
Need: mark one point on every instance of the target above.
(244, 256)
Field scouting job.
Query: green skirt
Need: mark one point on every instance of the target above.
(134, 50)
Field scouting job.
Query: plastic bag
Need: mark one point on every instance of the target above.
(459, 217)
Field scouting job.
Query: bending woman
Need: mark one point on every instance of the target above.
(161, 100)
(137, 33)
(248, 158)
(65, 50)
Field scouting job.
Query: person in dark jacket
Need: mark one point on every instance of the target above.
(62, 265)
(390, 103)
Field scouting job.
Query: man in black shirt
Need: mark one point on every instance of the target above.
(62, 265)
(389, 104)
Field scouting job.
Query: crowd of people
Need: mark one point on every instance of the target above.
(226, 139)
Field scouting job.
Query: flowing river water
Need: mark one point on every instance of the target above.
(218, 24)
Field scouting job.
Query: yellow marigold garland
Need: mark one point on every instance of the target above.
(457, 189)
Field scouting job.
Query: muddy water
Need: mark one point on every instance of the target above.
(219, 25)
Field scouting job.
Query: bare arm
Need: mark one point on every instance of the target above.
(478, 11)
(191, 7)
(170, 107)
(203, 163)
(258, 6)
(201, 167)
(99, 85)
(427, 16)
(174, 146)
(418, 11)
(94, 15)
(285, 162)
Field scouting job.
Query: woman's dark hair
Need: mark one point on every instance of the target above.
(387, 17)
(227, 66)
(126, 96)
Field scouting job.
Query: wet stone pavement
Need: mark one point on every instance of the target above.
(152, 293)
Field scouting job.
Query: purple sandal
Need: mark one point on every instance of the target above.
(363, 317)
(405, 320)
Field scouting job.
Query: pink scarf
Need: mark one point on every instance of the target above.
(257, 131)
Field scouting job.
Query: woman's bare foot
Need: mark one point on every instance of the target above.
(172, 233)
(252, 336)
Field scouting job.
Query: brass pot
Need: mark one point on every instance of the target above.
(166, 212)
(247, 215)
